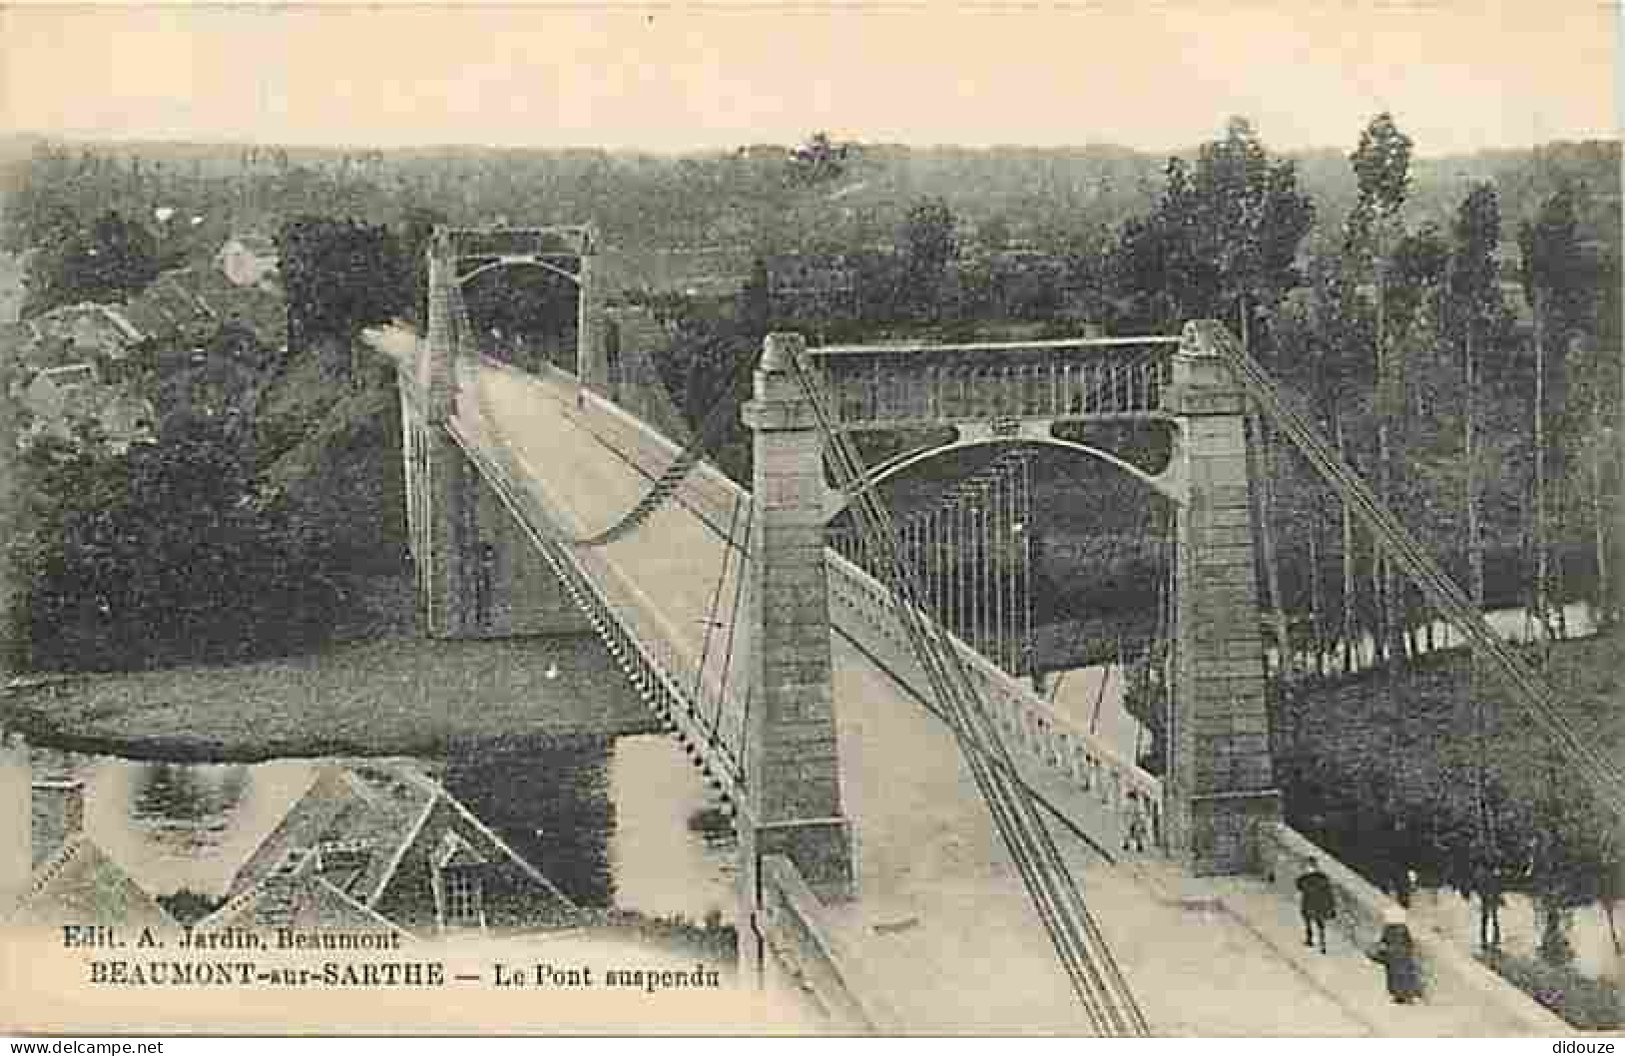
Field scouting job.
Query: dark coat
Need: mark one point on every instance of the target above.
(1316, 899)
(1396, 952)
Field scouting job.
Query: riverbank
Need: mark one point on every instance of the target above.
(1385, 769)
(392, 696)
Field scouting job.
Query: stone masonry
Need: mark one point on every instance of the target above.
(1220, 781)
(792, 770)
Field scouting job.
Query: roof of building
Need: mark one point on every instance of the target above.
(190, 298)
(68, 320)
(69, 374)
(70, 390)
(126, 416)
(297, 893)
(167, 305)
(80, 884)
(359, 821)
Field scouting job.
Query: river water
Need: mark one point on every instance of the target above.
(612, 820)
(1093, 696)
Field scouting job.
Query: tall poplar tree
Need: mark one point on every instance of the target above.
(1381, 164)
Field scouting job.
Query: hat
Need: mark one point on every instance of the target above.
(1393, 915)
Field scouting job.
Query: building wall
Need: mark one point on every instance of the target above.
(57, 813)
(16, 826)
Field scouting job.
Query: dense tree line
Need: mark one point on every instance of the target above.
(339, 277)
(155, 556)
(179, 550)
(108, 259)
(780, 197)
(1401, 335)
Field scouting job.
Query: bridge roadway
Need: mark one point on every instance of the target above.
(942, 926)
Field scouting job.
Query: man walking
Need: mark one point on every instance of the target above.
(1316, 902)
(1134, 830)
(1490, 898)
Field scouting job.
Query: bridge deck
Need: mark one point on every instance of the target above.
(942, 922)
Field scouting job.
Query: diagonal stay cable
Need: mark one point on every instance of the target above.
(1025, 837)
(711, 624)
(1528, 687)
(1094, 976)
(738, 524)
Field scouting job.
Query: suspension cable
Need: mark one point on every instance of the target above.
(741, 571)
(711, 624)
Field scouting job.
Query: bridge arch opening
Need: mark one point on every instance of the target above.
(1096, 555)
(1159, 481)
(524, 312)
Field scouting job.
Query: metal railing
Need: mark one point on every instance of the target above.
(891, 386)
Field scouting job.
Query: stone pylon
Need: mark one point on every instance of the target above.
(792, 771)
(1220, 781)
(592, 353)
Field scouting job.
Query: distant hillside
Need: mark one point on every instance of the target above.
(1052, 196)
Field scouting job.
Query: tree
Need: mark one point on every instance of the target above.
(156, 555)
(1381, 164)
(927, 239)
(1223, 240)
(110, 260)
(1558, 279)
(1250, 219)
(340, 276)
(1595, 460)
(1474, 308)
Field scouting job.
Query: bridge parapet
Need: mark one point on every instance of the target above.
(809, 950)
(1453, 976)
(1086, 765)
(930, 385)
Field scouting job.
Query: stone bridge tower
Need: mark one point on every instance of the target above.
(1220, 779)
(792, 766)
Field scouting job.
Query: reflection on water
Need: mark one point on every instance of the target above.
(666, 863)
(1513, 625)
(174, 826)
(1093, 696)
(183, 799)
(606, 820)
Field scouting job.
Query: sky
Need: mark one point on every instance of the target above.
(1459, 75)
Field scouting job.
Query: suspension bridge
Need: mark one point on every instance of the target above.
(926, 843)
